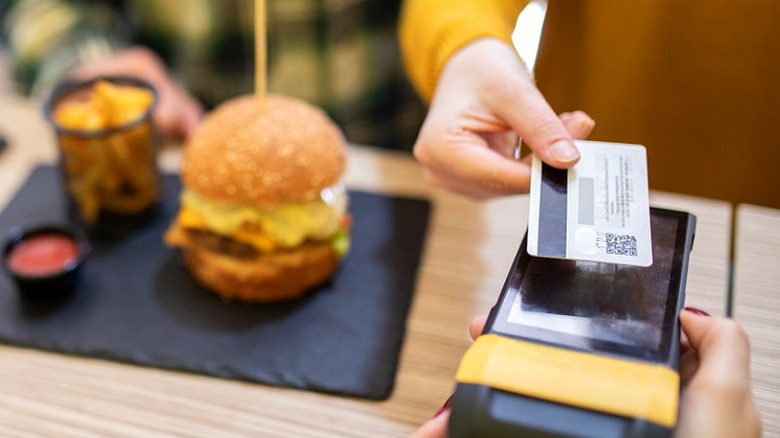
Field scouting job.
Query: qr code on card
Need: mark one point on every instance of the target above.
(621, 244)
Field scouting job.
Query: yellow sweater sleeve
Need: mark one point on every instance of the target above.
(430, 31)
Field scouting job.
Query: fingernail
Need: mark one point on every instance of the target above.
(564, 151)
(587, 123)
(443, 408)
(696, 311)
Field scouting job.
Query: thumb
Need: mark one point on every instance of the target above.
(541, 129)
(477, 325)
(717, 401)
(722, 346)
(436, 427)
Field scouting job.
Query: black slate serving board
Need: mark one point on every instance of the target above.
(136, 303)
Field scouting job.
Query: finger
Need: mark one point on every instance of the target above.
(468, 159)
(689, 365)
(685, 345)
(689, 360)
(722, 347)
(166, 113)
(178, 112)
(579, 124)
(504, 143)
(189, 114)
(477, 325)
(452, 184)
(190, 118)
(436, 427)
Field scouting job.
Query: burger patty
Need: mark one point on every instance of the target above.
(221, 244)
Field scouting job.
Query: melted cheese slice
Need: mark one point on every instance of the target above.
(286, 225)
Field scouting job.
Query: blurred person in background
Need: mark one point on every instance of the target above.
(340, 55)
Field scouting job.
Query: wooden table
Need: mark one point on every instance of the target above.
(467, 255)
(757, 304)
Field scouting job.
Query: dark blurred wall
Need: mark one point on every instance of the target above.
(695, 81)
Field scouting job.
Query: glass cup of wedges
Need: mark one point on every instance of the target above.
(108, 151)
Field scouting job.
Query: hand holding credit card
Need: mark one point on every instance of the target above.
(598, 210)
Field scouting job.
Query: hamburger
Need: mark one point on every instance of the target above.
(263, 213)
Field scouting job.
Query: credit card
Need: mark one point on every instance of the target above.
(598, 210)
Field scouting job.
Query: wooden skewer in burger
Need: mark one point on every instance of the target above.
(263, 213)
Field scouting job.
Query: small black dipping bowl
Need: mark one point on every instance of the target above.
(45, 261)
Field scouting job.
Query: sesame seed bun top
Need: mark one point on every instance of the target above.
(289, 151)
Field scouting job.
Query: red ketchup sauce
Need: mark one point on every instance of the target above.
(43, 254)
